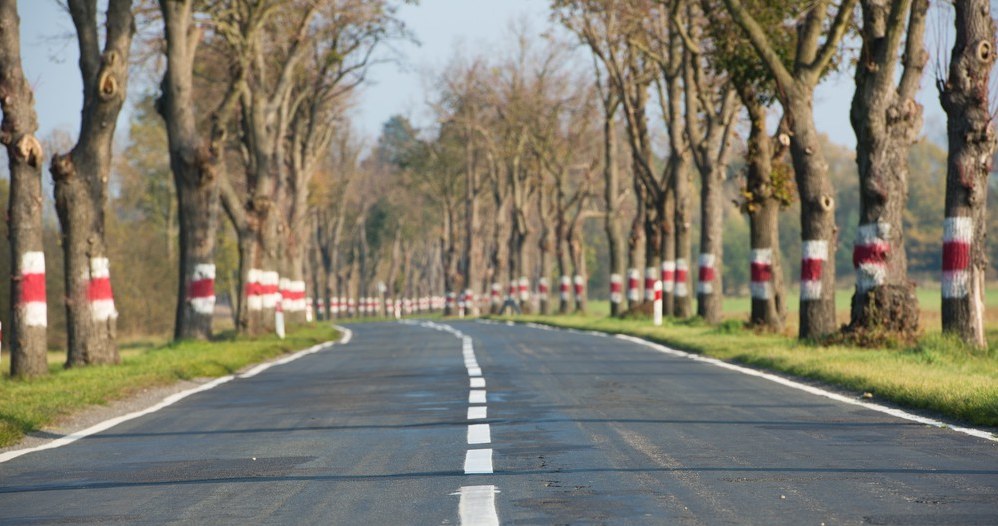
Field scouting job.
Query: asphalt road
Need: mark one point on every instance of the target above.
(581, 429)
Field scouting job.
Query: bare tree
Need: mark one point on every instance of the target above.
(81, 182)
(887, 121)
(24, 208)
(965, 98)
(196, 156)
(795, 87)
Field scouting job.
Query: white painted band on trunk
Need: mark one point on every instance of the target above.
(815, 249)
(705, 288)
(810, 290)
(682, 265)
(762, 256)
(873, 233)
(956, 284)
(478, 462)
(958, 229)
(33, 263)
(870, 275)
(35, 313)
(203, 271)
(478, 506)
(650, 277)
(760, 290)
(669, 266)
(479, 434)
(477, 412)
(707, 259)
(579, 280)
(254, 302)
(476, 396)
(205, 305)
(100, 268)
(103, 310)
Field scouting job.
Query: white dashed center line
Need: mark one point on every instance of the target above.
(478, 382)
(476, 396)
(477, 412)
(478, 462)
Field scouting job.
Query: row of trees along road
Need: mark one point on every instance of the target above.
(612, 121)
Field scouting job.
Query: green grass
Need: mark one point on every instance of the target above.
(29, 405)
(940, 375)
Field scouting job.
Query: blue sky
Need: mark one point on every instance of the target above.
(49, 57)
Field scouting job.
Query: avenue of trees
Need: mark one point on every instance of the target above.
(639, 141)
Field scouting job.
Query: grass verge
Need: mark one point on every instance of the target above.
(939, 374)
(29, 405)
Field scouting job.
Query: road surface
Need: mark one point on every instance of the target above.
(467, 422)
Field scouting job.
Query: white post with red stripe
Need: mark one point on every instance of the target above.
(201, 289)
(616, 288)
(958, 234)
(761, 273)
(707, 274)
(869, 256)
(813, 256)
(32, 301)
(633, 284)
(682, 277)
(657, 305)
(99, 292)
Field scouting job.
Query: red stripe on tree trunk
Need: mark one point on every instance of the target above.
(99, 289)
(872, 253)
(706, 274)
(681, 276)
(762, 272)
(202, 288)
(956, 256)
(254, 289)
(32, 288)
(668, 275)
(810, 269)
(616, 286)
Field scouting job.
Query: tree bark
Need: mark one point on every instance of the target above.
(27, 335)
(763, 207)
(81, 181)
(611, 192)
(965, 98)
(887, 121)
(194, 162)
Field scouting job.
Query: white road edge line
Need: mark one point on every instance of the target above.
(172, 399)
(478, 462)
(479, 434)
(478, 506)
(980, 433)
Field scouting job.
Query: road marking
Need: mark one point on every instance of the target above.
(477, 412)
(479, 434)
(478, 382)
(476, 396)
(478, 506)
(470, 363)
(478, 462)
(813, 390)
(474, 371)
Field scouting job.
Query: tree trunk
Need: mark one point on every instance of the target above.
(81, 182)
(27, 335)
(683, 306)
(818, 230)
(766, 285)
(709, 292)
(965, 97)
(194, 166)
(634, 246)
(611, 192)
(887, 121)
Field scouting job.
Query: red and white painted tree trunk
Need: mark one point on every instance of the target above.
(616, 290)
